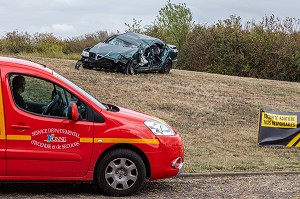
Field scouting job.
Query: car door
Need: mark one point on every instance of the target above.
(45, 144)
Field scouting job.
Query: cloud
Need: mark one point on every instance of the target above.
(63, 28)
(59, 29)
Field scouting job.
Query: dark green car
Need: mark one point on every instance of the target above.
(129, 53)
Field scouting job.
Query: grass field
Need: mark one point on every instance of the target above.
(216, 115)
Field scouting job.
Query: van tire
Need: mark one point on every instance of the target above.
(121, 172)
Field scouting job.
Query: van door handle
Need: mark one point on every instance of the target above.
(20, 126)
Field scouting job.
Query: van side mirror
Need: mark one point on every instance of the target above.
(73, 112)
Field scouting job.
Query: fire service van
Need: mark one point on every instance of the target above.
(51, 130)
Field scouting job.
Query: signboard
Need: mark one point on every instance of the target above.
(278, 129)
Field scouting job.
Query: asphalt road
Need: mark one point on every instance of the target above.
(251, 186)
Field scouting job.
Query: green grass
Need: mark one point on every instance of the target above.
(216, 115)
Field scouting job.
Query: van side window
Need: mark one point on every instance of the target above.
(42, 97)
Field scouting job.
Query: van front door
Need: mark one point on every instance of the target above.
(41, 141)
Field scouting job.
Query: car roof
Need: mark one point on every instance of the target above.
(25, 63)
(136, 38)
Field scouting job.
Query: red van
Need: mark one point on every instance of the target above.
(52, 130)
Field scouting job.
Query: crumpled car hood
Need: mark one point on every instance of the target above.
(113, 51)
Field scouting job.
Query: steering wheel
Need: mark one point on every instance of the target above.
(50, 106)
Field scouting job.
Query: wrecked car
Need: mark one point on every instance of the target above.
(130, 53)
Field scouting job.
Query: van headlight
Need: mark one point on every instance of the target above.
(159, 128)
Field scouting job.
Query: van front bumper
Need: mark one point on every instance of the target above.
(169, 160)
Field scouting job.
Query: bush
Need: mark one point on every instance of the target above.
(268, 49)
(46, 44)
(15, 42)
(77, 44)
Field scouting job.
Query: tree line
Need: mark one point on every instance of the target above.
(266, 49)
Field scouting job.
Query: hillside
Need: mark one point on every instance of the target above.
(216, 115)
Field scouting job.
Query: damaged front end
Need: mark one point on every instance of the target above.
(108, 57)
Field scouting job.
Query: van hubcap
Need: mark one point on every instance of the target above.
(121, 173)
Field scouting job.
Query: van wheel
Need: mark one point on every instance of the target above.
(121, 172)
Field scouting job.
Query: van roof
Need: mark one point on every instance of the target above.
(26, 63)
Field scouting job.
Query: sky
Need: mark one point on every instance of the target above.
(72, 18)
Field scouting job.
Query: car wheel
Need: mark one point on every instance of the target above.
(78, 64)
(128, 69)
(121, 172)
(166, 67)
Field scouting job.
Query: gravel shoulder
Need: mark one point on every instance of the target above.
(251, 186)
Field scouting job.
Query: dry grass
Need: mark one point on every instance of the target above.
(216, 115)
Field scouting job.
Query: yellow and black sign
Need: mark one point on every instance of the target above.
(278, 129)
(278, 121)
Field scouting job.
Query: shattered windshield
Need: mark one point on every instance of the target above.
(118, 42)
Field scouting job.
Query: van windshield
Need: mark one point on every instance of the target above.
(80, 90)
